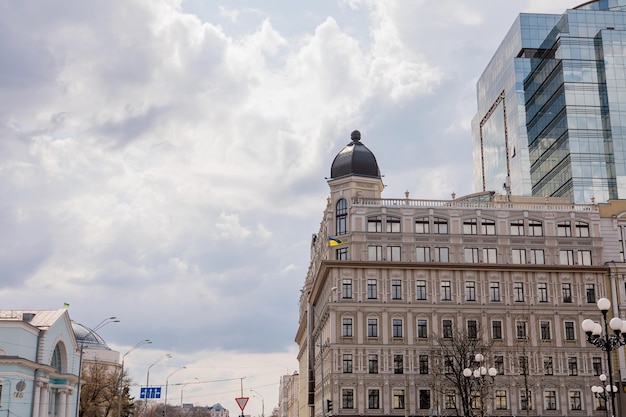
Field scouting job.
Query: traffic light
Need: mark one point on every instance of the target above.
(329, 405)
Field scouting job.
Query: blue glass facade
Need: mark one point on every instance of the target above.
(567, 137)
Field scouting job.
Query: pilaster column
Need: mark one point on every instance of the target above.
(37, 398)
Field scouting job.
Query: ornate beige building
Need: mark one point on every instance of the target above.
(403, 275)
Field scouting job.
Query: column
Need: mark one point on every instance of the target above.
(62, 406)
(37, 399)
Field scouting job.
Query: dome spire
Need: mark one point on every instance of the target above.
(355, 159)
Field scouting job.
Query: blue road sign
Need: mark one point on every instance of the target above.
(150, 392)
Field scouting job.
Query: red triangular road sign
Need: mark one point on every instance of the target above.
(241, 402)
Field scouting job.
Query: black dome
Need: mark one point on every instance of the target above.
(355, 159)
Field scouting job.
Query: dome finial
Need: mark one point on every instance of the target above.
(355, 136)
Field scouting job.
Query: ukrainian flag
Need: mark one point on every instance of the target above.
(66, 305)
(333, 241)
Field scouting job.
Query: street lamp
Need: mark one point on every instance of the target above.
(182, 388)
(262, 403)
(599, 391)
(167, 385)
(609, 342)
(119, 405)
(477, 379)
(167, 355)
(100, 325)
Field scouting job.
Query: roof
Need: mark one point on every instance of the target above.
(355, 159)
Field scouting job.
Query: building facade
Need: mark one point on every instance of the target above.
(393, 281)
(39, 363)
(288, 396)
(550, 107)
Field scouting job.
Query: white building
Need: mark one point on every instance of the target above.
(39, 362)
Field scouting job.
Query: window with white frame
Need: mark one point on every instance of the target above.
(517, 227)
(566, 257)
(488, 227)
(471, 255)
(347, 363)
(396, 327)
(494, 291)
(549, 400)
(446, 291)
(470, 227)
(346, 327)
(372, 289)
(564, 229)
(393, 253)
(584, 257)
(420, 290)
(441, 255)
(372, 327)
(501, 401)
(490, 256)
(545, 332)
(470, 290)
(536, 257)
(542, 292)
(518, 292)
(341, 224)
(346, 288)
(440, 226)
(521, 327)
(398, 399)
(373, 399)
(396, 289)
(566, 289)
(535, 228)
(496, 329)
(570, 334)
(582, 229)
(446, 328)
(374, 224)
(518, 256)
(374, 253)
(422, 328)
(347, 398)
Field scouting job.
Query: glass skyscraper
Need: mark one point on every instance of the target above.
(551, 117)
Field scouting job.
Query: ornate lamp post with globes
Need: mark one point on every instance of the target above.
(599, 391)
(608, 343)
(477, 378)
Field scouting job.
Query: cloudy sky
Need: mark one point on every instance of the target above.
(163, 161)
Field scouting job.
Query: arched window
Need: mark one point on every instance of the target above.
(341, 217)
(56, 361)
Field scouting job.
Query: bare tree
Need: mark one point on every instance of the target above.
(99, 395)
(452, 355)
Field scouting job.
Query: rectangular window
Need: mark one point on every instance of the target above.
(422, 329)
(372, 364)
(494, 291)
(424, 399)
(575, 402)
(398, 399)
(347, 363)
(566, 289)
(488, 227)
(501, 402)
(470, 227)
(597, 365)
(393, 254)
(441, 255)
(569, 331)
(372, 289)
(447, 329)
(545, 330)
(446, 291)
(572, 366)
(518, 256)
(393, 224)
(548, 365)
(374, 253)
(449, 400)
(535, 228)
(373, 399)
(471, 255)
(517, 228)
(536, 257)
(421, 225)
(496, 329)
(374, 224)
(346, 328)
(584, 257)
(582, 229)
(590, 293)
(396, 325)
(563, 229)
(472, 329)
(522, 362)
(566, 257)
(470, 291)
(520, 327)
(420, 290)
(542, 290)
(440, 226)
(423, 364)
(346, 288)
(490, 256)
(550, 400)
(396, 289)
(525, 400)
(372, 327)
(347, 398)
(422, 254)
(498, 363)
(342, 254)
(518, 292)
(398, 366)
(448, 363)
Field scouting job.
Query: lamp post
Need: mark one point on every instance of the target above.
(100, 325)
(262, 402)
(182, 388)
(599, 391)
(477, 379)
(167, 385)
(609, 342)
(119, 405)
(167, 355)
